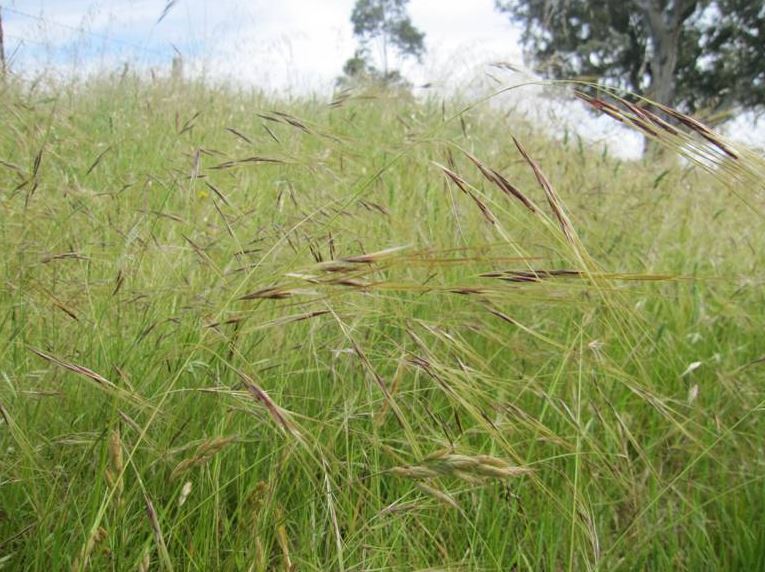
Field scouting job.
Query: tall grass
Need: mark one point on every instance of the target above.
(368, 334)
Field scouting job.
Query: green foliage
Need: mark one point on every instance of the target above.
(387, 19)
(712, 51)
(722, 55)
(387, 23)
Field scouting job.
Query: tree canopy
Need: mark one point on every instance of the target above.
(692, 54)
(386, 26)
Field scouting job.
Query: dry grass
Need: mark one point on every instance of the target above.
(371, 334)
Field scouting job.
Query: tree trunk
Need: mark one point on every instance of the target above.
(663, 65)
(664, 20)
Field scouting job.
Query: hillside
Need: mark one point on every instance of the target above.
(246, 334)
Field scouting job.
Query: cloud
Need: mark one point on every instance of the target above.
(291, 44)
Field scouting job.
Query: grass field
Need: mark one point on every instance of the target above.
(246, 334)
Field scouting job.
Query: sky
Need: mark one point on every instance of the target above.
(295, 45)
(289, 47)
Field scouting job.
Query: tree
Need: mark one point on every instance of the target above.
(387, 25)
(691, 54)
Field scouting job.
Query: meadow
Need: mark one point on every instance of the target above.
(372, 333)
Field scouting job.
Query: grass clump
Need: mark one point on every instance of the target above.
(372, 333)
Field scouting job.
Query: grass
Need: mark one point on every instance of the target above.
(371, 334)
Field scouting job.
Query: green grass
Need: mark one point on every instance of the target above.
(249, 405)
